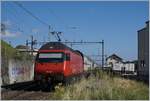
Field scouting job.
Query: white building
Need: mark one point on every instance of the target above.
(89, 64)
(22, 48)
(116, 64)
(130, 67)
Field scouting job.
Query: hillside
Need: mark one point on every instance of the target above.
(8, 52)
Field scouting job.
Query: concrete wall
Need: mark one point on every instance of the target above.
(4, 71)
(18, 71)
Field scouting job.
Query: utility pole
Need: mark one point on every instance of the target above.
(27, 44)
(32, 43)
(3, 28)
(49, 27)
(102, 54)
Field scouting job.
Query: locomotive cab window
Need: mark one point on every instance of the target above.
(50, 57)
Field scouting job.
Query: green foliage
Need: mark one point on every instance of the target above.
(8, 52)
(103, 87)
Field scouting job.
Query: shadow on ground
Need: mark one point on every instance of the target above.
(27, 86)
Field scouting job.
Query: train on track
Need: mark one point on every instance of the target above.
(57, 62)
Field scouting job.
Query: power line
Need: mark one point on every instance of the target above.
(58, 18)
(61, 21)
(15, 13)
(35, 17)
(19, 23)
(31, 14)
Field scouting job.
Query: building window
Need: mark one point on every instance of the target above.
(142, 63)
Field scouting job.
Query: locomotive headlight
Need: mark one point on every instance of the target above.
(51, 47)
(48, 72)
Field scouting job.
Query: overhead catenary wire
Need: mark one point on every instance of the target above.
(19, 22)
(35, 17)
(31, 14)
(16, 26)
(61, 21)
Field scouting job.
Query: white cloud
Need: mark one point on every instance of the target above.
(7, 33)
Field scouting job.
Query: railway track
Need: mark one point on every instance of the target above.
(25, 95)
(24, 91)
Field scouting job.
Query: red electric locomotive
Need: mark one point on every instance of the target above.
(56, 61)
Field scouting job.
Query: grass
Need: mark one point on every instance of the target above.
(8, 52)
(103, 87)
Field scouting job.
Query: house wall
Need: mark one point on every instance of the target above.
(143, 51)
(89, 64)
(120, 66)
(114, 64)
(129, 67)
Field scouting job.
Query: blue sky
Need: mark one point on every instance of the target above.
(114, 22)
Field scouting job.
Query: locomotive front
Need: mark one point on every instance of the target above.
(55, 61)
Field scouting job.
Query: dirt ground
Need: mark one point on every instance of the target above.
(24, 91)
(24, 95)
